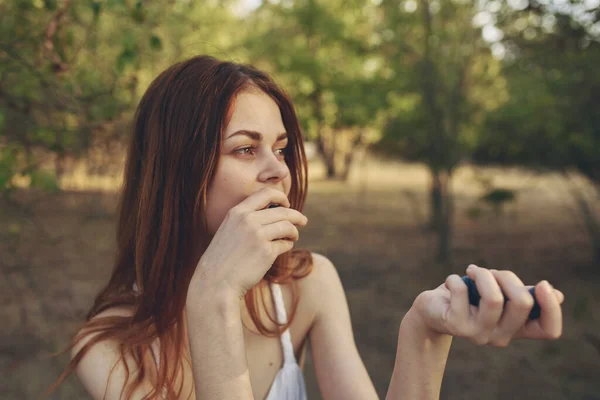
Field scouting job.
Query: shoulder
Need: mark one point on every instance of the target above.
(102, 360)
(322, 283)
(87, 336)
(324, 271)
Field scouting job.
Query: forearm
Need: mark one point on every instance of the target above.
(420, 361)
(217, 348)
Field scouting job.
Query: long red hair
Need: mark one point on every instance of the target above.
(162, 230)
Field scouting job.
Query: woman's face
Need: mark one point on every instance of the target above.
(252, 155)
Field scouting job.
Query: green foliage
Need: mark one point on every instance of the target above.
(433, 88)
(448, 67)
(44, 180)
(321, 52)
(63, 90)
(551, 119)
(7, 168)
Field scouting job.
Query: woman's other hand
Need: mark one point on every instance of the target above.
(446, 309)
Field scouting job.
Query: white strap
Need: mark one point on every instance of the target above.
(286, 339)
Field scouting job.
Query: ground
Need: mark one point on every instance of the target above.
(54, 260)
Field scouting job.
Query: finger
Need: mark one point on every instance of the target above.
(507, 276)
(560, 296)
(282, 246)
(281, 230)
(262, 198)
(459, 302)
(516, 310)
(491, 304)
(272, 215)
(549, 325)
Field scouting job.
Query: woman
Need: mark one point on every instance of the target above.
(209, 300)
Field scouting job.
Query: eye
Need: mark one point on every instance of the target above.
(246, 150)
(281, 152)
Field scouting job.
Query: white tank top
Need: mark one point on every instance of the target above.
(289, 381)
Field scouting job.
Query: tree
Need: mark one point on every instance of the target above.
(437, 112)
(323, 52)
(551, 119)
(71, 73)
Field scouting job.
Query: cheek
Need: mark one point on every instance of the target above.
(287, 184)
(226, 191)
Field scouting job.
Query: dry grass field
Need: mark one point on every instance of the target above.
(55, 256)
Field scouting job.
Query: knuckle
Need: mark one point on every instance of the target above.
(555, 334)
(507, 273)
(480, 340)
(500, 342)
(274, 192)
(511, 275)
(460, 289)
(494, 301)
(293, 233)
(268, 250)
(261, 235)
(524, 301)
(247, 219)
(460, 330)
(469, 330)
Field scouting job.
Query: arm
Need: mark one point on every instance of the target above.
(217, 323)
(341, 374)
(103, 361)
(217, 347)
(420, 361)
(339, 369)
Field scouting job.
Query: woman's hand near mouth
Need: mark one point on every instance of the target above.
(247, 243)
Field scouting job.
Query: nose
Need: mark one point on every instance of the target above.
(273, 170)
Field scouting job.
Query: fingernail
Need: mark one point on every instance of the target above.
(471, 267)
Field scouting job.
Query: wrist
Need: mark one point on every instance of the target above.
(214, 313)
(209, 281)
(414, 325)
(420, 360)
(207, 296)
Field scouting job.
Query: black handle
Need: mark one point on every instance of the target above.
(474, 297)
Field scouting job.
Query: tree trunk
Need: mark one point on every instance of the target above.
(327, 155)
(444, 229)
(325, 150)
(349, 157)
(590, 218)
(435, 202)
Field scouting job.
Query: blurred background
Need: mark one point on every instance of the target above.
(440, 133)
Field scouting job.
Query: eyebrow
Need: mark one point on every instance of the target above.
(254, 135)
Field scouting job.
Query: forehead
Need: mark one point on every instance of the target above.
(255, 110)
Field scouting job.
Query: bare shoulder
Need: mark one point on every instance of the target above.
(323, 279)
(111, 312)
(324, 272)
(103, 360)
